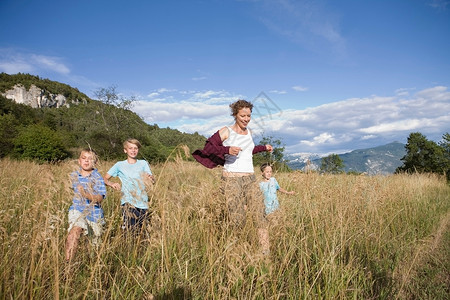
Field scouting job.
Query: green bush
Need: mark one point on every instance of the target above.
(40, 143)
(8, 130)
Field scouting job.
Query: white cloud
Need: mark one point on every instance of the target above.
(13, 61)
(153, 95)
(354, 123)
(198, 78)
(16, 66)
(207, 94)
(439, 4)
(308, 23)
(438, 93)
(403, 91)
(164, 90)
(49, 62)
(322, 138)
(278, 92)
(299, 88)
(403, 125)
(161, 112)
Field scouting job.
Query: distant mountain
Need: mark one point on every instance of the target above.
(381, 160)
(299, 161)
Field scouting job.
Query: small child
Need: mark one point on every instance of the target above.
(269, 186)
(85, 213)
(133, 174)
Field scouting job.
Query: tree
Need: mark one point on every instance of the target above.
(276, 157)
(332, 164)
(12, 117)
(109, 96)
(8, 131)
(37, 142)
(445, 144)
(113, 117)
(422, 156)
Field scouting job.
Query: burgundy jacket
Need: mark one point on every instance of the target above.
(213, 154)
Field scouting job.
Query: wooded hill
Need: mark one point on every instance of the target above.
(53, 134)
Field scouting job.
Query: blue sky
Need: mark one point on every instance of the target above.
(325, 76)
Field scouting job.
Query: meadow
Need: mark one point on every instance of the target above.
(339, 237)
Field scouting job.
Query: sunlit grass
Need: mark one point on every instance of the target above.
(339, 237)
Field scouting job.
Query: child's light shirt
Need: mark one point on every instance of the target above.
(132, 179)
(92, 184)
(269, 189)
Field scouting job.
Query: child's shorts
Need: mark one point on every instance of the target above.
(78, 219)
(134, 218)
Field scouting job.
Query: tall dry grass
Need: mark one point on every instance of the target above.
(339, 237)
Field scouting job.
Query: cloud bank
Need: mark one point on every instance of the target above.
(336, 127)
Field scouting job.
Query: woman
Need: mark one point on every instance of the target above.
(233, 148)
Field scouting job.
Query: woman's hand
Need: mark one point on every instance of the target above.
(269, 148)
(234, 150)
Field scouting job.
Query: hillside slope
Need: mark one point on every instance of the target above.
(378, 160)
(79, 122)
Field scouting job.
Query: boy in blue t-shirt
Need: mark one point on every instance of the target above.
(85, 212)
(133, 174)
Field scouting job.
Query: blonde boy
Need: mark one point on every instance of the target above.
(133, 173)
(85, 212)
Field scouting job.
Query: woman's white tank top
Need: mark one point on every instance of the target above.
(243, 162)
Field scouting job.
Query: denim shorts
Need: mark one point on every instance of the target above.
(134, 218)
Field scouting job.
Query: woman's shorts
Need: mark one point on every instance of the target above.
(242, 196)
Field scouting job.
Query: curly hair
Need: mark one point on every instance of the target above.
(238, 105)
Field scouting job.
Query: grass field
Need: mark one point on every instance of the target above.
(340, 236)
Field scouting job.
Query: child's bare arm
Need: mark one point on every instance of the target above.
(150, 177)
(107, 181)
(286, 192)
(92, 197)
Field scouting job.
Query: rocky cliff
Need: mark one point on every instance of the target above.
(37, 97)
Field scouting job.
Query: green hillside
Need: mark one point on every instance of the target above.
(52, 134)
(8, 81)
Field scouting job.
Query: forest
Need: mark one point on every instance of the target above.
(50, 134)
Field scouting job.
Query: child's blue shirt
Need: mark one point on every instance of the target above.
(92, 184)
(269, 189)
(131, 177)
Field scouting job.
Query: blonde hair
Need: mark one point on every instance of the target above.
(91, 152)
(132, 141)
